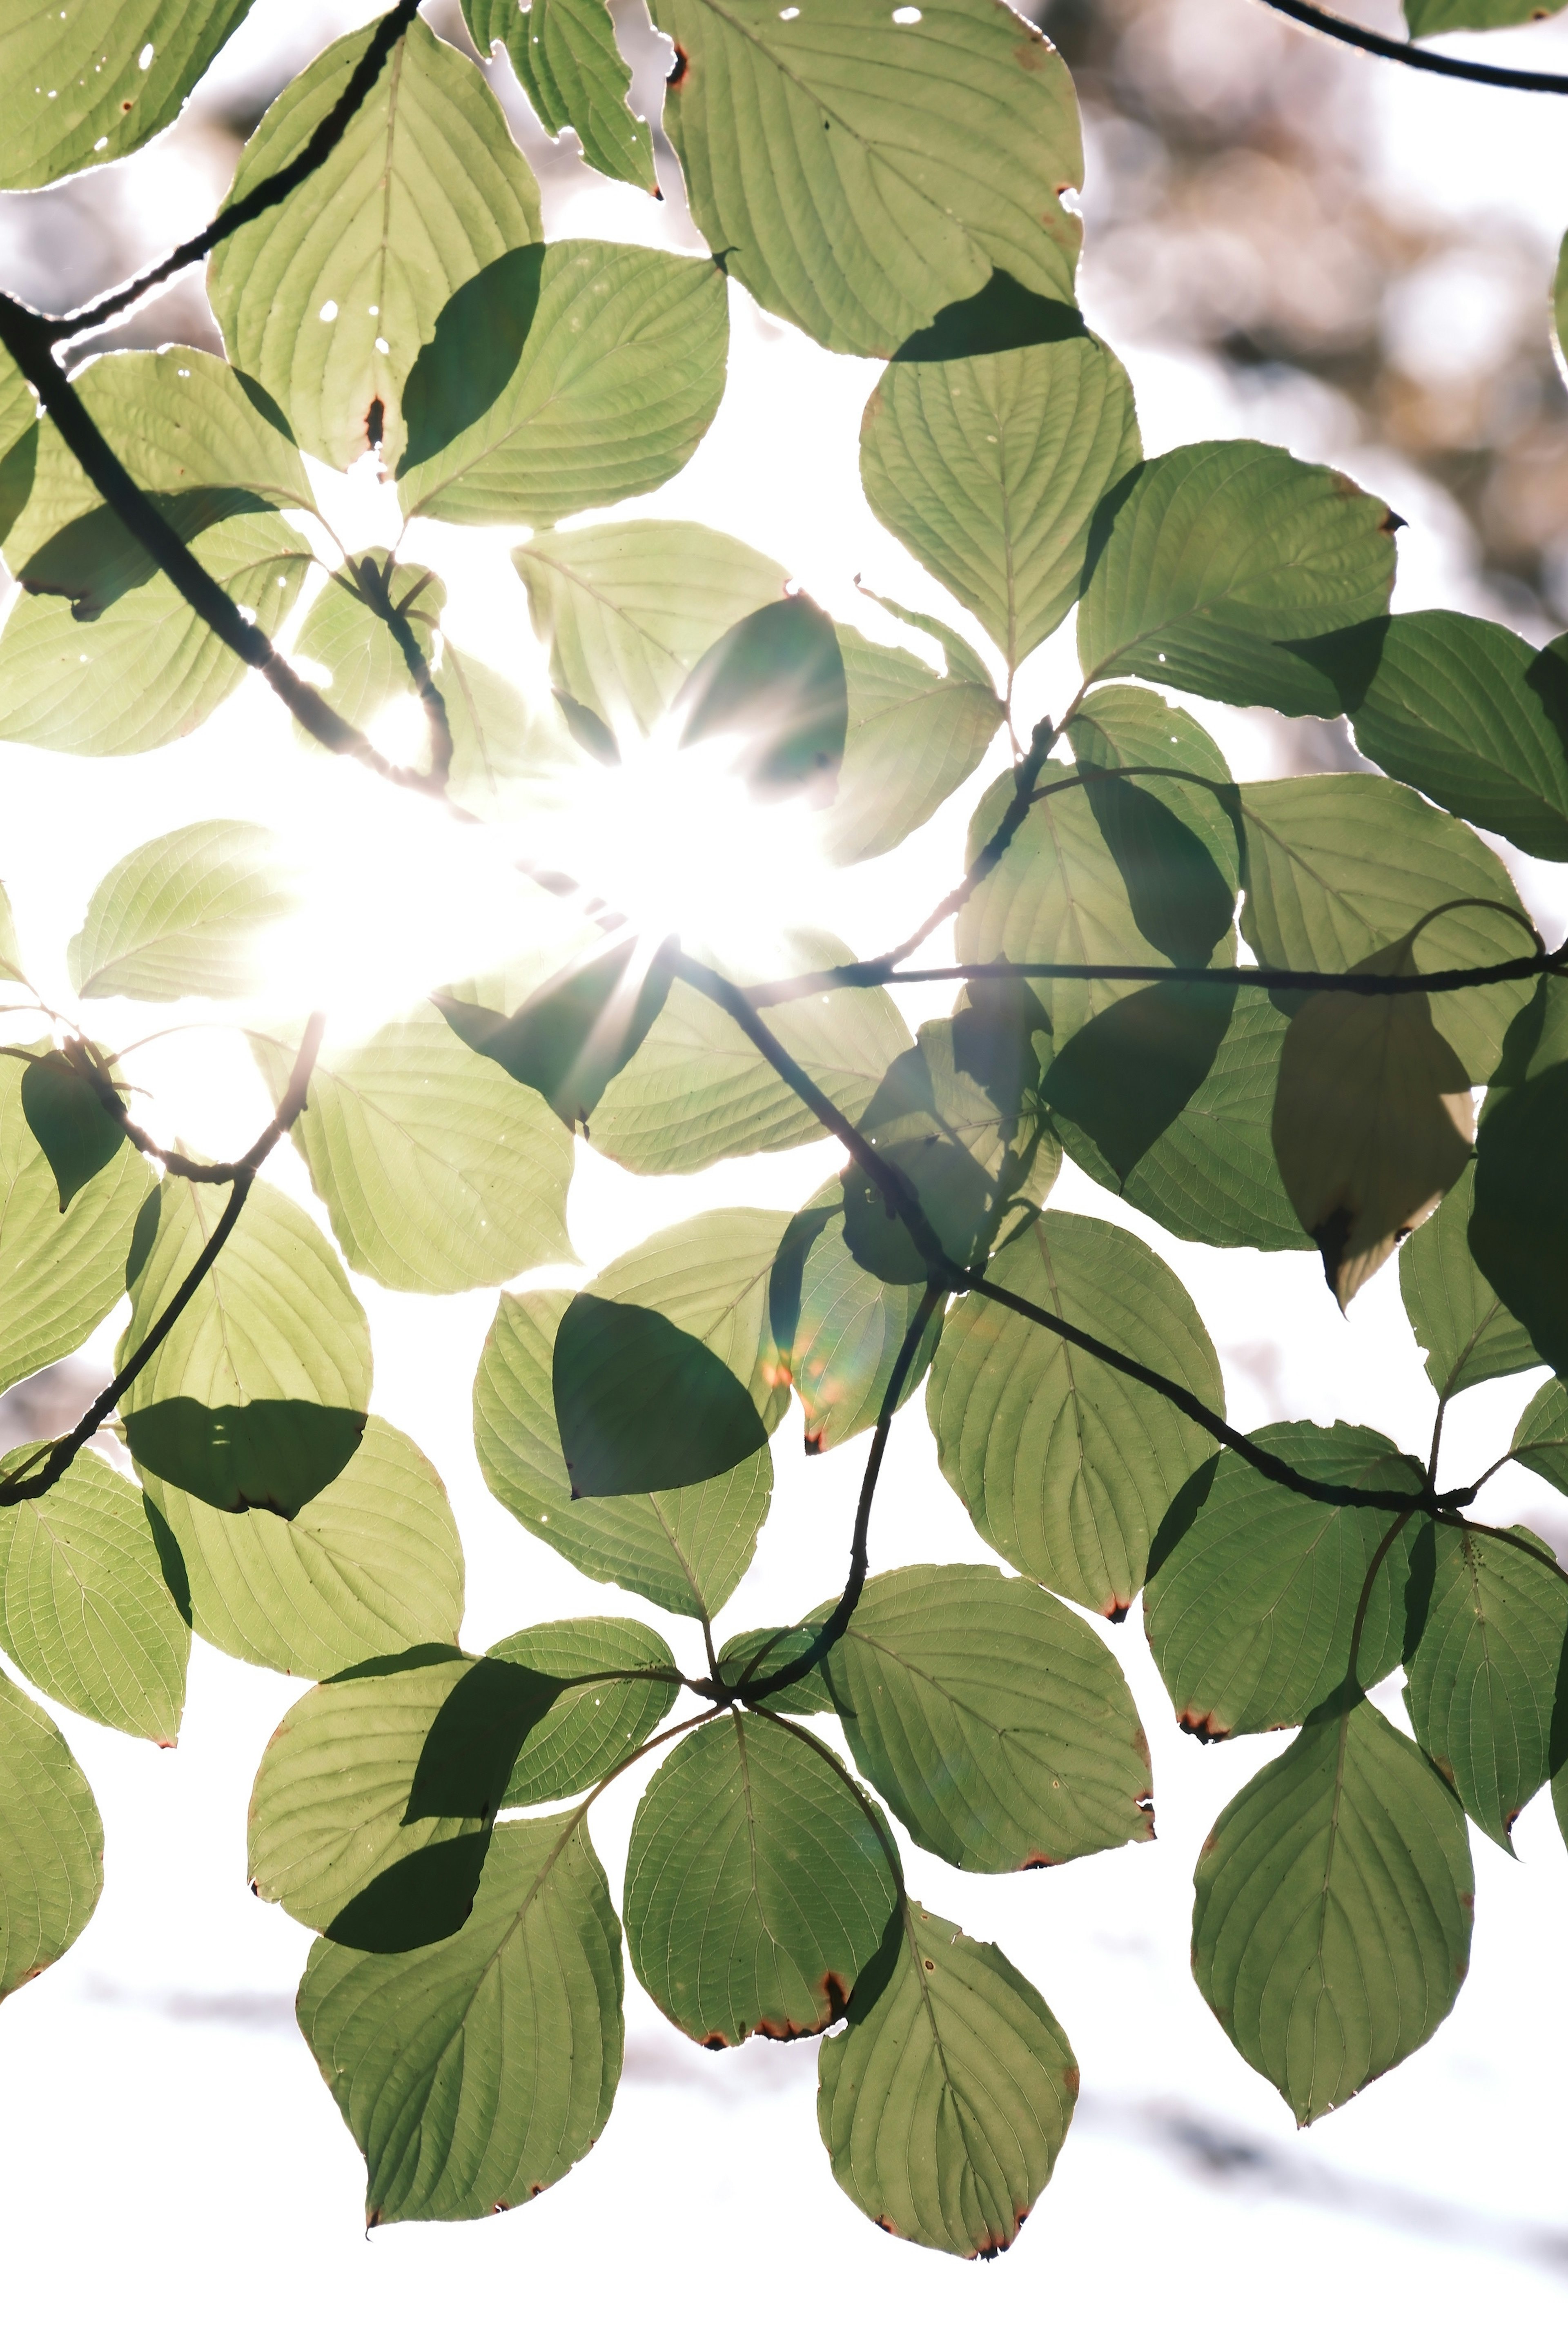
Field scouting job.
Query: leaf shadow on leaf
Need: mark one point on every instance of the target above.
(171, 1558)
(473, 353)
(69, 1123)
(17, 469)
(272, 1454)
(94, 561)
(641, 1405)
(1129, 1074)
(576, 1031)
(1003, 317)
(421, 1898)
(1419, 1586)
(1180, 900)
(775, 681)
(1181, 1516)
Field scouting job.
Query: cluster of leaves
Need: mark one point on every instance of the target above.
(1256, 1012)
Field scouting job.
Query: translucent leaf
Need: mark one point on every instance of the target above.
(147, 671)
(476, 2072)
(686, 1550)
(438, 1171)
(768, 1647)
(1130, 731)
(995, 1723)
(627, 608)
(1212, 567)
(861, 176)
(1540, 1441)
(1331, 1930)
(1253, 1591)
(60, 1275)
(1121, 1082)
(566, 1030)
(836, 1329)
(640, 1403)
(84, 89)
(1427, 18)
(913, 738)
(1065, 1467)
(257, 1399)
(709, 1276)
(1339, 867)
(51, 1843)
(369, 1567)
(84, 1608)
(565, 57)
(944, 2102)
(1489, 1636)
(1372, 1123)
(757, 1889)
(616, 367)
(1517, 1233)
(328, 298)
(74, 1132)
(10, 949)
(772, 691)
(613, 1682)
(185, 915)
(1458, 1317)
(505, 749)
(989, 469)
(365, 667)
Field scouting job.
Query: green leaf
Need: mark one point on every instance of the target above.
(51, 1843)
(569, 1031)
(504, 749)
(912, 738)
(1517, 1235)
(774, 690)
(185, 915)
(1065, 1467)
(148, 671)
(904, 164)
(1121, 1082)
(709, 1276)
(18, 442)
(74, 1132)
(1540, 1441)
(121, 78)
(1472, 715)
(476, 2072)
(564, 55)
(1253, 1591)
(1427, 18)
(84, 1608)
(639, 1404)
(768, 1647)
(944, 2102)
(60, 1275)
(1331, 1930)
(1339, 867)
(614, 1683)
(697, 1090)
(1210, 568)
(1482, 1670)
(990, 470)
(619, 366)
(835, 1328)
(344, 633)
(627, 608)
(1458, 1317)
(995, 1723)
(328, 298)
(962, 662)
(10, 947)
(1102, 870)
(686, 1550)
(258, 1397)
(370, 1566)
(757, 1888)
(438, 1171)
(1373, 1122)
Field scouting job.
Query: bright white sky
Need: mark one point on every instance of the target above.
(172, 2170)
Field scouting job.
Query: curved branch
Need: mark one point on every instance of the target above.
(1405, 53)
(25, 1484)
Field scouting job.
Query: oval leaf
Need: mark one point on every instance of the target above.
(639, 1404)
(51, 1843)
(564, 55)
(1458, 1317)
(184, 916)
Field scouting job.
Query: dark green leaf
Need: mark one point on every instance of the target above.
(574, 1031)
(945, 2100)
(613, 1682)
(757, 1889)
(1458, 1317)
(475, 2073)
(1125, 1078)
(1331, 1930)
(774, 686)
(87, 87)
(1253, 1591)
(835, 1328)
(565, 57)
(1518, 1237)
(51, 1843)
(185, 915)
(1540, 1441)
(640, 1403)
(76, 1134)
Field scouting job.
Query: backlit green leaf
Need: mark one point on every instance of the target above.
(860, 175)
(185, 915)
(639, 1402)
(1540, 1441)
(567, 1029)
(773, 692)
(51, 1843)
(913, 738)
(1211, 566)
(438, 1171)
(1065, 1467)
(367, 1568)
(1458, 1317)
(84, 1608)
(78, 1135)
(328, 298)
(709, 1276)
(345, 634)
(1482, 1671)
(837, 1328)
(945, 2100)
(10, 948)
(565, 57)
(85, 88)
(1517, 1233)
(686, 1549)
(1428, 18)
(475, 2073)
(258, 1397)
(617, 367)
(756, 1887)
(614, 1681)
(989, 470)
(1331, 1930)
(1253, 1591)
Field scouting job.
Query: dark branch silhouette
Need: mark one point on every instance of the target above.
(1405, 53)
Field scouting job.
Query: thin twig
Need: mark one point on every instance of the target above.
(1026, 775)
(23, 1488)
(1404, 53)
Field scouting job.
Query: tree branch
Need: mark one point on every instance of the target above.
(1404, 53)
(25, 1484)
(1026, 776)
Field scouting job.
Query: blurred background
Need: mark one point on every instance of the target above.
(1283, 239)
